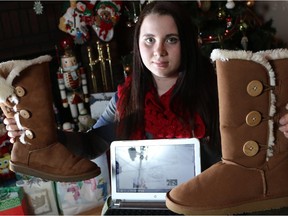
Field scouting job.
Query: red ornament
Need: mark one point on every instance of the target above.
(66, 43)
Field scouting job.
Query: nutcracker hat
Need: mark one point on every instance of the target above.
(83, 112)
(68, 52)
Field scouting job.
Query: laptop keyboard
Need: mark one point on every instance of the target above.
(122, 211)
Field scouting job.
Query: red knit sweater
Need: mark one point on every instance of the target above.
(161, 122)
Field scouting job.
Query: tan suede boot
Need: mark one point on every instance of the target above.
(25, 93)
(252, 175)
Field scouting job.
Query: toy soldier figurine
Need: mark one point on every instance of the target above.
(72, 84)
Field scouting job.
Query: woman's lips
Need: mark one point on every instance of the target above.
(161, 64)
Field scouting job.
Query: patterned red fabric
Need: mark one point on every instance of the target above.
(161, 122)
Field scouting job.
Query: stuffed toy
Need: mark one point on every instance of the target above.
(106, 16)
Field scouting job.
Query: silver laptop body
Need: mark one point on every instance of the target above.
(143, 171)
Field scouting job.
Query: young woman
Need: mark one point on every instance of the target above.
(172, 91)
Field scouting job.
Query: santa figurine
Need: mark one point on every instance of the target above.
(72, 84)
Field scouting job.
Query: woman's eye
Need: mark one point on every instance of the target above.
(172, 40)
(149, 40)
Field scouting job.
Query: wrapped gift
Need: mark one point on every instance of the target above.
(78, 197)
(12, 201)
(41, 196)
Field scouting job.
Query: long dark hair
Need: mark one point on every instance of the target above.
(195, 89)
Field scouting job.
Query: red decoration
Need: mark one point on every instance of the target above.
(66, 43)
(106, 16)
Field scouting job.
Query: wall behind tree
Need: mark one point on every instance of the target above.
(277, 11)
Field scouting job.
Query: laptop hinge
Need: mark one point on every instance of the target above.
(135, 204)
(117, 202)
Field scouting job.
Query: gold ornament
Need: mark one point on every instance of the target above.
(221, 13)
(250, 3)
(243, 26)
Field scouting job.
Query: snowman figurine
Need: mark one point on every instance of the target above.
(72, 22)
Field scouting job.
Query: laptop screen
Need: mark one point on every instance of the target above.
(153, 166)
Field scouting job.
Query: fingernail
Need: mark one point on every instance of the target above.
(5, 121)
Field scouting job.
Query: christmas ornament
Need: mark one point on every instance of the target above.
(243, 26)
(244, 42)
(107, 15)
(127, 64)
(73, 22)
(221, 13)
(229, 22)
(66, 43)
(90, 4)
(133, 14)
(230, 4)
(38, 7)
(250, 3)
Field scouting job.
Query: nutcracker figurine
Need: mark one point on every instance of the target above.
(72, 84)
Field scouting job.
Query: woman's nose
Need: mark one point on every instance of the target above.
(160, 50)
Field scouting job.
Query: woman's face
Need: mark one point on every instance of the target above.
(159, 45)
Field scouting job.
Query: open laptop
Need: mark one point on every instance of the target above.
(143, 171)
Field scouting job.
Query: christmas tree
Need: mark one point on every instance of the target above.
(231, 25)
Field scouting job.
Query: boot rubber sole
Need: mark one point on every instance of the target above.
(256, 206)
(52, 177)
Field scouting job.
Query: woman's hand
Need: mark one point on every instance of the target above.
(12, 128)
(284, 125)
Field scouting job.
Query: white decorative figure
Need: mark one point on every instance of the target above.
(73, 85)
(85, 121)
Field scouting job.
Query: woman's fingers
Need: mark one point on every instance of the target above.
(12, 128)
(8, 121)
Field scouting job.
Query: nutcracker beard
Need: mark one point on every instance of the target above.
(25, 94)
